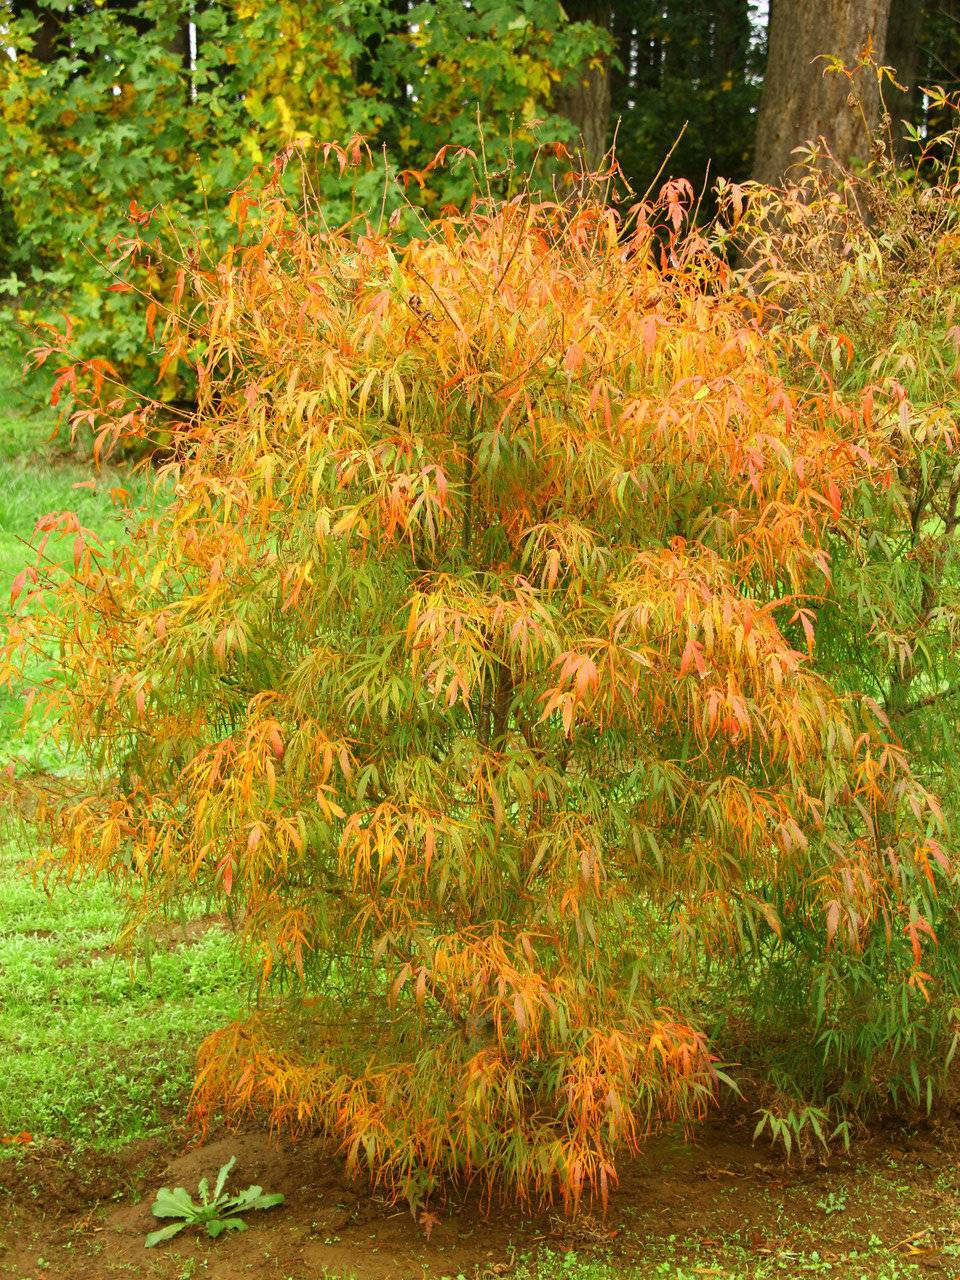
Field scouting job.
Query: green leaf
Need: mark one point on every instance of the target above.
(246, 1197)
(267, 1202)
(222, 1177)
(165, 1233)
(216, 1226)
(174, 1204)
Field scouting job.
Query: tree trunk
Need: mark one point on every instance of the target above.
(45, 37)
(585, 100)
(624, 40)
(903, 54)
(799, 102)
(391, 91)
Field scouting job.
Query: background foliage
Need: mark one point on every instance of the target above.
(115, 106)
(107, 113)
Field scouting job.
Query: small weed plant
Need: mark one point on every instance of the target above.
(833, 1202)
(216, 1213)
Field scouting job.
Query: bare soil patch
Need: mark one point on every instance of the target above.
(85, 1218)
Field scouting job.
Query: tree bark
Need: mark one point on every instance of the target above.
(624, 38)
(45, 37)
(903, 54)
(585, 100)
(392, 93)
(799, 102)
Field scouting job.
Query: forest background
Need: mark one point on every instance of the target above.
(112, 108)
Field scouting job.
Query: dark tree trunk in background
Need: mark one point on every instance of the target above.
(391, 93)
(585, 99)
(649, 72)
(131, 13)
(940, 61)
(624, 48)
(44, 40)
(903, 54)
(799, 102)
(180, 44)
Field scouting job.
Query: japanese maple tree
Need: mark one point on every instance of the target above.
(468, 656)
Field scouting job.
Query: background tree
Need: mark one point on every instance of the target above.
(692, 83)
(585, 97)
(939, 64)
(904, 32)
(116, 116)
(679, 75)
(799, 101)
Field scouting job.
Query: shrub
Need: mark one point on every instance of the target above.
(469, 660)
(859, 274)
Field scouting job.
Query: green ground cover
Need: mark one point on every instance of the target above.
(95, 1046)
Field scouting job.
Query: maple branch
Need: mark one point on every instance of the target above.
(501, 706)
(468, 485)
(928, 700)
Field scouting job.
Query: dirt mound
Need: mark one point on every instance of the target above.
(77, 1220)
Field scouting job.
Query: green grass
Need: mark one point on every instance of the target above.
(92, 1050)
(36, 478)
(95, 1049)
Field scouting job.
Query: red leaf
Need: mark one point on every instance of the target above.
(68, 377)
(22, 1139)
(648, 329)
(428, 1221)
(573, 360)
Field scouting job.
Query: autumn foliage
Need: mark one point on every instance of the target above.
(468, 658)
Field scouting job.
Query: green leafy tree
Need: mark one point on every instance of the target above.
(106, 114)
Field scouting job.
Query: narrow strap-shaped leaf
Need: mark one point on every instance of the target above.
(222, 1177)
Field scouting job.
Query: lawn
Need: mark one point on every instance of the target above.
(97, 1047)
(40, 473)
(96, 1052)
